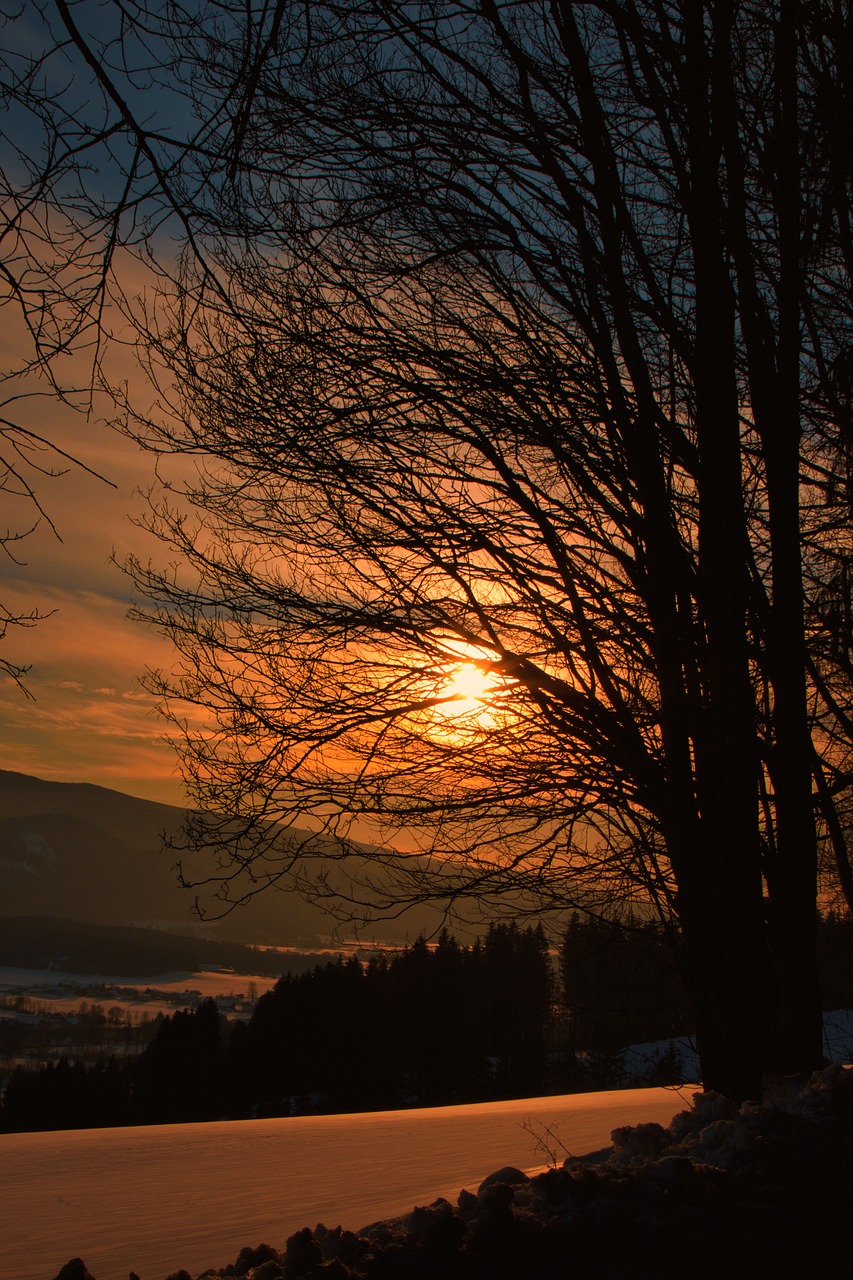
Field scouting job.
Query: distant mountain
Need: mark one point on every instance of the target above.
(91, 854)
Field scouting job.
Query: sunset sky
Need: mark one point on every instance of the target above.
(88, 719)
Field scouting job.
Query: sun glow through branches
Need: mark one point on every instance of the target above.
(468, 692)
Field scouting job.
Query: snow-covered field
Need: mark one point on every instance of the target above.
(208, 982)
(155, 1199)
(62, 992)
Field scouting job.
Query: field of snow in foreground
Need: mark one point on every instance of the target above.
(155, 1199)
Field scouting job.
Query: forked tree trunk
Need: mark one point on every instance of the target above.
(794, 923)
(731, 999)
(753, 962)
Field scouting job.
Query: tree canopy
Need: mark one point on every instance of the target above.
(512, 340)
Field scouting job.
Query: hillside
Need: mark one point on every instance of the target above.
(78, 947)
(759, 1191)
(162, 1197)
(90, 854)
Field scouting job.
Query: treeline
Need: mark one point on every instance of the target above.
(72, 946)
(425, 1026)
(503, 1017)
(620, 985)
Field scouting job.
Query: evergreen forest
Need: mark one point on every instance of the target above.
(506, 1016)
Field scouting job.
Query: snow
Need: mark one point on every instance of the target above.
(157, 1198)
(60, 991)
(639, 1060)
(207, 982)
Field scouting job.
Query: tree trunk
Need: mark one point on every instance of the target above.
(794, 923)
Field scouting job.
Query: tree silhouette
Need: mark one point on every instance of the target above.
(179, 1076)
(506, 336)
(620, 985)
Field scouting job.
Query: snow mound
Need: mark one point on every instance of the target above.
(759, 1190)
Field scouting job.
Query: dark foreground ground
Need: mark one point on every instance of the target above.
(761, 1191)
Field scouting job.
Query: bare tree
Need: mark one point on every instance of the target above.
(504, 340)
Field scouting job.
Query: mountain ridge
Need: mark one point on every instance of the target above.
(93, 854)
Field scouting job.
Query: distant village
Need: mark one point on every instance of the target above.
(42, 1022)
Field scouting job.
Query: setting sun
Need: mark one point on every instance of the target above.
(468, 690)
(469, 683)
